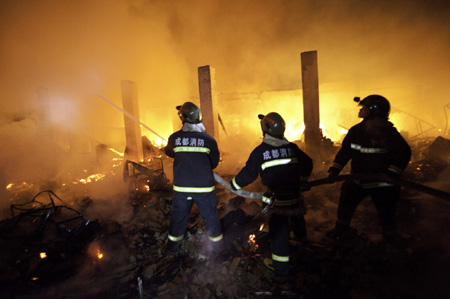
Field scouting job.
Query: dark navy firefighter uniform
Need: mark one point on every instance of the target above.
(195, 156)
(374, 147)
(282, 169)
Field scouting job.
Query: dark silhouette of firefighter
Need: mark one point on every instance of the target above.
(284, 169)
(378, 155)
(195, 155)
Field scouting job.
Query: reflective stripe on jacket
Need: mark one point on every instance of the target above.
(373, 146)
(195, 156)
(281, 168)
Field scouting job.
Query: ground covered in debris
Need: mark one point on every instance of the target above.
(87, 246)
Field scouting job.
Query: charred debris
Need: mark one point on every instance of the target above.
(52, 248)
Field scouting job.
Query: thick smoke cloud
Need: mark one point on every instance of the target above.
(396, 48)
(254, 45)
(399, 49)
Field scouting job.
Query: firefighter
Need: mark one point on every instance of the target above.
(379, 155)
(195, 155)
(284, 169)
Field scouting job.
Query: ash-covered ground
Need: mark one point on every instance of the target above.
(92, 240)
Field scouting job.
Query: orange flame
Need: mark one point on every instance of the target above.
(159, 143)
(93, 177)
(251, 238)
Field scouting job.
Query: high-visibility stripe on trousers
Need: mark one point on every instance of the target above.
(279, 231)
(193, 189)
(181, 209)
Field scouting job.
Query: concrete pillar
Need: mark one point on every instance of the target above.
(208, 100)
(310, 86)
(132, 127)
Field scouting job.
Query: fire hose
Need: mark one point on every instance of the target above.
(330, 180)
(240, 192)
(128, 114)
(266, 213)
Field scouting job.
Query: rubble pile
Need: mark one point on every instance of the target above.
(133, 260)
(430, 159)
(50, 249)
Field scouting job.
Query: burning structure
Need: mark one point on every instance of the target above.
(72, 144)
(70, 249)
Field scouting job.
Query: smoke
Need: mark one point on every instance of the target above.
(397, 49)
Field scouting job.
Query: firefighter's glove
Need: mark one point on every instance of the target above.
(333, 172)
(304, 186)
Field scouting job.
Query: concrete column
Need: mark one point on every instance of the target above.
(132, 127)
(208, 100)
(310, 83)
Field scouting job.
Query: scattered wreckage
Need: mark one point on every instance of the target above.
(50, 249)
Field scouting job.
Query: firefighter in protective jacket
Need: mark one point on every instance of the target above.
(378, 155)
(284, 169)
(195, 155)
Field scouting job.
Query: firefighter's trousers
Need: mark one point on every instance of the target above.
(280, 227)
(181, 209)
(384, 199)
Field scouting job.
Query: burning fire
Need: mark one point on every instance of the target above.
(12, 186)
(95, 252)
(293, 132)
(93, 177)
(252, 242)
(159, 143)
